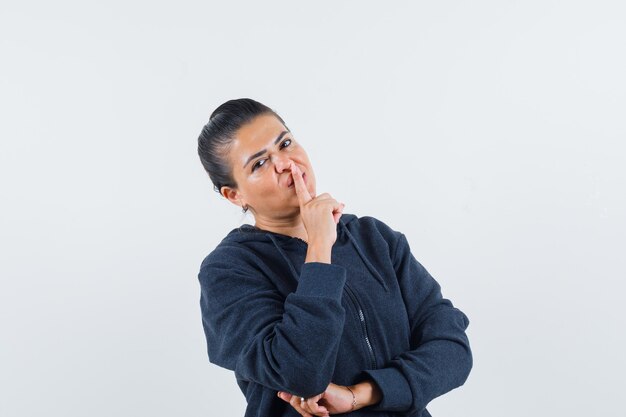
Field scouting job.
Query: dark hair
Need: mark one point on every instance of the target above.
(218, 134)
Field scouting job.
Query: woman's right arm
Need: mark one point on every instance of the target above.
(284, 343)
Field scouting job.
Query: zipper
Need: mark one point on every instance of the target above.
(356, 303)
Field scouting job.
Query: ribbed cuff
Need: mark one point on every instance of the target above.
(320, 279)
(394, 387)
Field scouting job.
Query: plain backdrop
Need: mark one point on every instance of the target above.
(491, 133)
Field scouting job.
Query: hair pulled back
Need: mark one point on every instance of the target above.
(218, 134)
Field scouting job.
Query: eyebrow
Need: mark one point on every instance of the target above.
(262, 151)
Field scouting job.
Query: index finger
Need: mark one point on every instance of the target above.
(303, 194)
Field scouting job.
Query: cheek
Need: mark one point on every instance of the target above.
(264, 182)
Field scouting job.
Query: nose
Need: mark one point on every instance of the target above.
(281, 162)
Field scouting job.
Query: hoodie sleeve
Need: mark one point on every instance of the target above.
(440, 358)
(283, 343)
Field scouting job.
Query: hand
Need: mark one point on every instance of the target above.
(320, 214)
(334, 400)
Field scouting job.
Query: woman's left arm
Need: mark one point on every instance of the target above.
(441, 358)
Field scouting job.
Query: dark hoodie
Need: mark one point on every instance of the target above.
(374, 312)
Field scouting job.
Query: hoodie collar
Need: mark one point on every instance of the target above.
(278, 238)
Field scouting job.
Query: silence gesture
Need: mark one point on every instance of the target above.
(320, 214)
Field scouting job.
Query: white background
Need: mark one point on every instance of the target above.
(491, 133)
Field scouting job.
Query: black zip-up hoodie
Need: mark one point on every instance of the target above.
(374, 312)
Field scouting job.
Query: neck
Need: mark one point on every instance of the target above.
(290, 226)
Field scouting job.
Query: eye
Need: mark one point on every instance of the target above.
(257, 165)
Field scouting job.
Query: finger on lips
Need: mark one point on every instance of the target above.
(298, 182)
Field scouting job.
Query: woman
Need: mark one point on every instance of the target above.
(317, 311)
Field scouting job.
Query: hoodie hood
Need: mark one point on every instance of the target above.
(248, 232)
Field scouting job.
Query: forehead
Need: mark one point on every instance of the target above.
(262, 128)
(254, 136)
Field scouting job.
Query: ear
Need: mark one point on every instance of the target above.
(232, 195)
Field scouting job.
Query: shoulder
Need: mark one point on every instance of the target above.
(370, 225)
(372, 229)
(233, 252)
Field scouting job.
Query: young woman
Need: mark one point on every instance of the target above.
(316, 311)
